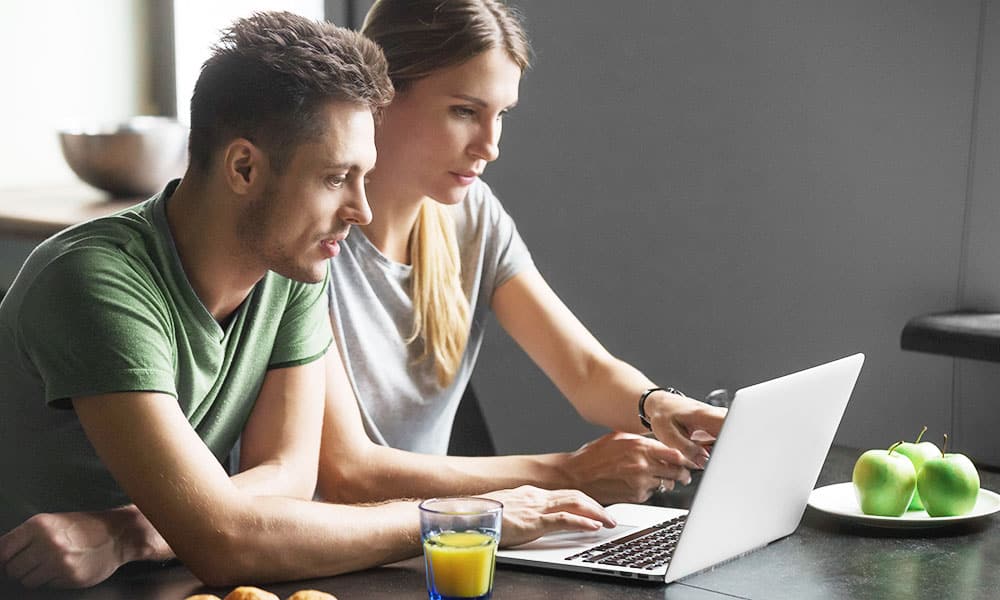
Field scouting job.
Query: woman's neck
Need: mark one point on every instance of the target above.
(394, 214)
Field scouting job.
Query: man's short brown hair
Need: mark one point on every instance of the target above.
(269, 76)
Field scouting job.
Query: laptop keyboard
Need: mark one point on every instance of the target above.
(648, 549)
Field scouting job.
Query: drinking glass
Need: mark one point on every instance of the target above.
(460, 537)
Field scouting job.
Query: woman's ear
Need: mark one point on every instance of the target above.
(242, 165)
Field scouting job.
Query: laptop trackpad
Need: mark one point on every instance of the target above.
(630, 517)
(576, 539)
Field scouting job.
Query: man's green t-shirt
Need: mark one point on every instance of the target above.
(106, 307)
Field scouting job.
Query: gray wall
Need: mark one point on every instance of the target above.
(728, 191)
(977, 384)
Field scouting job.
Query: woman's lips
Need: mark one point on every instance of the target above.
(464, 178)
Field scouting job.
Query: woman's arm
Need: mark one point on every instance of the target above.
(618, 467)
(352, 468)
(603, 389)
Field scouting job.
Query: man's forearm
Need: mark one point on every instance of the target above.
(275, 538)
(139, 540)
(272, 538)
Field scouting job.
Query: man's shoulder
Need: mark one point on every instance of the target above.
(106, 251)
(93, 245)
(115, 232)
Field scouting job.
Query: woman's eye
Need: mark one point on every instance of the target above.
(464, 112)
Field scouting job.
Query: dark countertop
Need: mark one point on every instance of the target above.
(37, 213)
(824, 558)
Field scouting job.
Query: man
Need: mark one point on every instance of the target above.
(136, 349)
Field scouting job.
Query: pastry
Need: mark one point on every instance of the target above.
(247, 592)
(311, 595)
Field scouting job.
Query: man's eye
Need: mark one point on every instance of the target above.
(336, 181)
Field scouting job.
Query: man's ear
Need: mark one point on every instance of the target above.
(242, 162)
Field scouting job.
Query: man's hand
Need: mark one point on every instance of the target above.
(78, 549)
(530, 512)
(625, 467)
(685, 424)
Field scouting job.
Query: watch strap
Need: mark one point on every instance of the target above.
(642, 403)
(642, 407)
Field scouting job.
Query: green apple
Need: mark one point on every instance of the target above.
(884, 482)
(918, 452)
(948, 484)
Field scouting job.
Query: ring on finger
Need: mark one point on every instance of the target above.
(662, 487)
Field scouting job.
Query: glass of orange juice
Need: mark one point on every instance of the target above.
(460, 537)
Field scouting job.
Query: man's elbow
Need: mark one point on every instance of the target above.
(227, 558)
(218, 575)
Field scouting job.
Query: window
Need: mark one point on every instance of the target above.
(197, 25)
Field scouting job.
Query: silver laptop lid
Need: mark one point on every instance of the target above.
(764, 464)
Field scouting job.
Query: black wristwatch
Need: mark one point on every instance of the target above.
(642, 403)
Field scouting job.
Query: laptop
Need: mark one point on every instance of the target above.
(753, 491)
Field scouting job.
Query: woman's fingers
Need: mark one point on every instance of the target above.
(669, 463)
(625, 467)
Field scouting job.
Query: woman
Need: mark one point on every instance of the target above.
(409, 293)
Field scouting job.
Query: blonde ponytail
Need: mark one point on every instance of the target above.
(440, 308)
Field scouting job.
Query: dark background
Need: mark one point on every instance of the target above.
(728, 191)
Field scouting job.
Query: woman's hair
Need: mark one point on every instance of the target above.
(270, 75)
(418, 38)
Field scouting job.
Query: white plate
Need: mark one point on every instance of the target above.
(839, 499)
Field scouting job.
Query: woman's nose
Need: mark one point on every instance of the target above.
(487, 145)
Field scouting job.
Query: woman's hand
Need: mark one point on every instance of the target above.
(625, 467)
(530, 512)
(685, 424)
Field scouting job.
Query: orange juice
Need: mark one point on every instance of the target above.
(460, 563)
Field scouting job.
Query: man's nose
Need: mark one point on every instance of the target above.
(357, 211)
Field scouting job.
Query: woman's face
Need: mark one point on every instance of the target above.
(438, 135)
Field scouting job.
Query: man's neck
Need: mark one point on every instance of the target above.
(203, 225)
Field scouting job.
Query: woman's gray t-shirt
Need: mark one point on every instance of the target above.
(372, 315)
